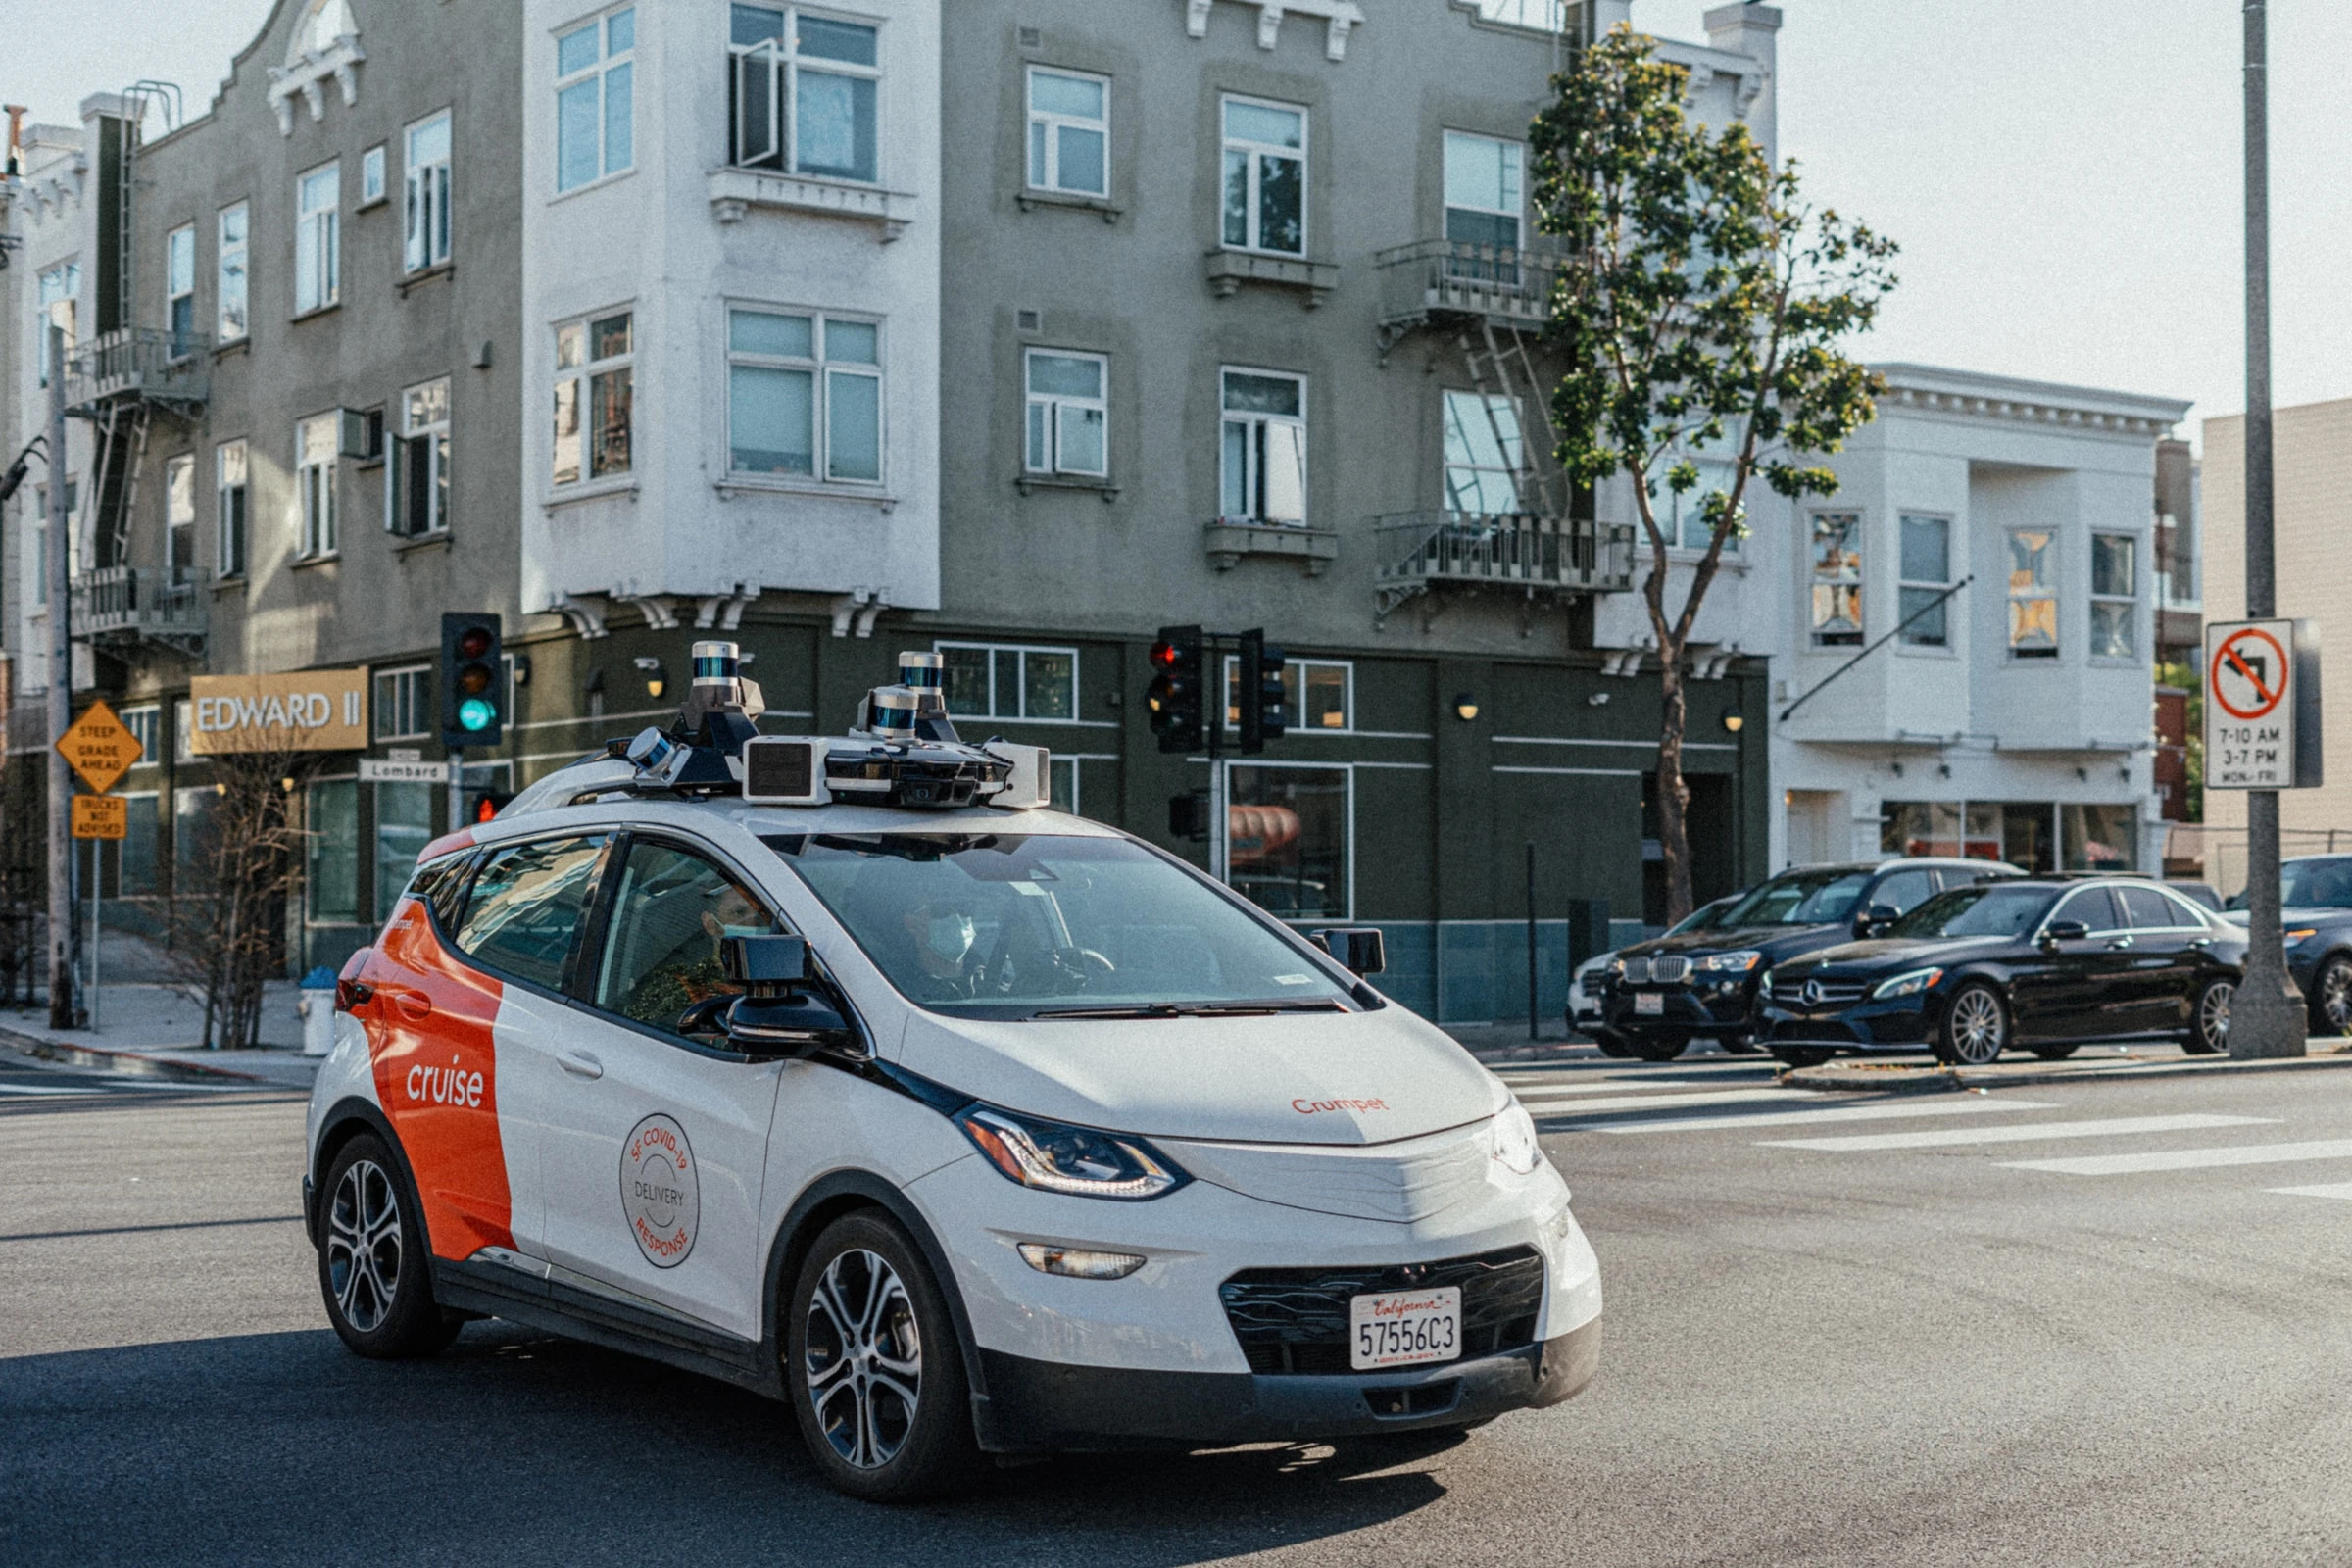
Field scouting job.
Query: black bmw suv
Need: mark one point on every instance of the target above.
(1663, 994)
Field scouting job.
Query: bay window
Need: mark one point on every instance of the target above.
(595, 397)
(802, 93)
(1837, 604)
(1926, 555)
(595, 99)
(2032, 594)
(2113, 596)
(803, 396)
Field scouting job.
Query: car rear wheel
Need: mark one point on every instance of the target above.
(1974, 1029)
(2209, 1019)
(2331, 997)
(373, 1267)
(1656, 1047)
(1802, 1055)
(873, 1370)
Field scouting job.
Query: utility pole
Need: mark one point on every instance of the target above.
(2266, 1015)
(60, 583)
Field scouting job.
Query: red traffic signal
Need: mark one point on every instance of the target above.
(1174, 695)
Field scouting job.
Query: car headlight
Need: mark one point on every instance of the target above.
(2302, 934)
(1079, 1161)
(1511, 1139)
(1616, 966)
(1765, 985)
(1741, 962)
(1908, 985)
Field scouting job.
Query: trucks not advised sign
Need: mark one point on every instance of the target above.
(2262, 704)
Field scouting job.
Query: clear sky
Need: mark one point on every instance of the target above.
(2063, 174)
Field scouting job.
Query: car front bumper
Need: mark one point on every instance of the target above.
(1708, 1008)
(1037, 1406)
(1897, 1023)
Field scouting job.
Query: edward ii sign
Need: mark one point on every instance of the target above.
(311, 711)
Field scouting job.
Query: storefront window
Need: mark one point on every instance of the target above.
(2100, 837)
(135, 872)
(404, 826)
(1291, 845)
(332, 851)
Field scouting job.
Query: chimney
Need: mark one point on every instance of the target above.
(14, 164)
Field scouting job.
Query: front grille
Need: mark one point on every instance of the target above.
(1670, 970)
(1830, 992)
(1820, 1030)
(1295, 1320)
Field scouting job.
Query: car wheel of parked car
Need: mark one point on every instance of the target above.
(1738, 1045)
(872, 1366)
(2209, 1020)
(1802, 1055)
(1658, 1048)
(2057, 1050)
(373, 1264)
(2331, 997)
(1976, 1027)
(1611, 1042)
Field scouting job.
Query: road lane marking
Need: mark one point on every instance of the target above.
(2023, 1133)
(1550, 1109)
(2334, 1190)
(1741, 1121)
(2191, 1159)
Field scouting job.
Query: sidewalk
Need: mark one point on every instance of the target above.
(155, 1031)
(2137, 1060)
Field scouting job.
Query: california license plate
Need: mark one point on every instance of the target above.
(1406, 1328)
(1651, 1004)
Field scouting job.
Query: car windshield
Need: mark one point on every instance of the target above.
(1702, 918)
(1028, 925)
(1984, 911)
(1800, 898)
(2325, 884)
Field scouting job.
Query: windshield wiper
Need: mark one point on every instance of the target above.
(1191, 1010)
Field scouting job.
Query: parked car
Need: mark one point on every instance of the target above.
(2314, 896)
(1701, 983)
(1585, 990)
(2201, 894)
(2043, 964)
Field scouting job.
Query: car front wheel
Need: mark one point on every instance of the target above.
(372, 1260)
(1802, 1055)
(1656, 1047)
(873, 1370)
(1974, 1029)
(2331, 997)
(2209, 1019)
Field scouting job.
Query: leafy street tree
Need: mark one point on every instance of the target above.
(1702, 307)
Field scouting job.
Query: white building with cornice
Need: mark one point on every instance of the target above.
(1965, 662)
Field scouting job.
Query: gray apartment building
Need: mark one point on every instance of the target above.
(1008, 330)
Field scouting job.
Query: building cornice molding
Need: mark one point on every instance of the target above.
(2010, 400)
(1340, 18)
(307, 75)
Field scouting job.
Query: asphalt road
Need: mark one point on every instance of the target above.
(1818, 1352)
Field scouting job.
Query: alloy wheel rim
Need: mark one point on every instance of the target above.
(363, 1245)
(864, 1358)
(2335, 996)
(2213, 1014)
(1976, 1027)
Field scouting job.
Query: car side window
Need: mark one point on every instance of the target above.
(2093, 907)
(2149, 909)
(661, 945)
(1903, 890)
(529, 902)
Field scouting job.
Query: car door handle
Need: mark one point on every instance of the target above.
(2118, 945)
(2201, 942)
(413, 1003)
(579, 1064)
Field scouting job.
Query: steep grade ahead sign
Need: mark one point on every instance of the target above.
(2262, 704)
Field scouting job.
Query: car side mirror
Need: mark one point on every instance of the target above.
(787, 1009)
(2058, 931)
(1359, 947)
(1878, 918)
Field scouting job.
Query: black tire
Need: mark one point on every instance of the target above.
(2209, 1019)
(2331, 997)
(1656, 1047)
(1974, 1030)
(374, 1267)
(1802, 1055)
(1612, 1044)
(868, 1332)
(1738, 1044)
(2056, 1049)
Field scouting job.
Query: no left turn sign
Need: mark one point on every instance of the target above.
(2262, 708)
(2249, 673)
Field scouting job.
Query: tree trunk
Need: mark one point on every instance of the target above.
(1674, 795)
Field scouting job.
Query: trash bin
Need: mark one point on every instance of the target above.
(317, 1010)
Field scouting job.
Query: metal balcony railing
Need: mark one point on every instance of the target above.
(139, 363)
(1416, 551)
(154, 604)
(1433, 278)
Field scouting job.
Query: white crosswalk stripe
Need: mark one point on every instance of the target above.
(1550, 1109)
(2331, 1190)
(1738, 1121)
(2021, 1133)
(2191, 1159)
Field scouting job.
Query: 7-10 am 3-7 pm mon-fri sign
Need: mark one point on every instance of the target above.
(2262, 704)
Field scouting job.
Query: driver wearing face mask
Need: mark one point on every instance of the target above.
(945, 947)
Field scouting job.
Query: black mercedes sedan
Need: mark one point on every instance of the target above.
(2042, 965)
(1702, 980)
(2315, 893)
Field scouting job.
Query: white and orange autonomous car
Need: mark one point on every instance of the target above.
(847, 1070)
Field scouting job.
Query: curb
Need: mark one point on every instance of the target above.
(131, 1063)
(1939, 1080)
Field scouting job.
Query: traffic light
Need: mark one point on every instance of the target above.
(487, 804)
(1177, 689)
(473, 687)
(1262, 698)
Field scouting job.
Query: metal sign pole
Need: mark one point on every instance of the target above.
(1220, 827)
(97, 892)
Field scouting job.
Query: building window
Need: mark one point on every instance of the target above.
(416, 475)
(802, 90)
(403, 702)
(232, 506)
(1485, 187)
(2113, 596)
(595, 384)
(331, 818)
(1683, 514)
(404, 826)
(1263, 455)
(371, 175)
(59, 295)
(179, 517)
(1061, 784)
(136, 873)
(1836, 611)
(2032, 598)
(1008, 680)
(424, 169)
(1291, 842)
(1484, 454)
(1927, 560)
(595, 87)
(193, 841)
(799, 385)
(1265, 177)
(1316, 693)
(231, 290)
(2098, 838)
(141, 722)
(314, 483)
(1069, 132)
(1067, 413)
(179, 289)
(318, 239)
